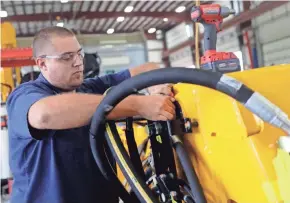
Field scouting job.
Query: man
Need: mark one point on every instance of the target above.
(49, 121)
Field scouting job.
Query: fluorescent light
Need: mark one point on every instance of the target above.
(110, 31)
(3, 14)
(120, 19)
(159, 32)
(151, 30)
(60, 24)
(128, 9)
(113, 42)
(180, 9)
(165, 19)
(63, 1)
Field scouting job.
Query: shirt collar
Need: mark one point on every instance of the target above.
(44, 81)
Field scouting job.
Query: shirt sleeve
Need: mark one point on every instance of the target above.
(99, 85)
(18, 105)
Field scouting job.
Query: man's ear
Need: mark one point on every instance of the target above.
(41, 64)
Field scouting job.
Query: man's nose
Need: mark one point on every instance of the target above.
(79, 61)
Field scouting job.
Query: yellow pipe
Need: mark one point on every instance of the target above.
(8, 40)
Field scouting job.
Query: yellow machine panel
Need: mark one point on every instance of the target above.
(234, 153)
(232, 150)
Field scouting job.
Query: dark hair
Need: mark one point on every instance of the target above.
(43, 38)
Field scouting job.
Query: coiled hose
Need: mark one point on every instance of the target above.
(253, 101)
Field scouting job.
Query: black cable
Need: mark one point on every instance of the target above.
(114, 181)
(194, 184)
(132, 147)
(140, 188)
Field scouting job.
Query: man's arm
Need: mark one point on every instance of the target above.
(74, 110)
(143, 68)
(165, 89)
(100, 84)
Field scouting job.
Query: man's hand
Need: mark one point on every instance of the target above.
(156, 107)
(165, 89)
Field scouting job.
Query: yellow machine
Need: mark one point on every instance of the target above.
(8, 40)
(234, 153)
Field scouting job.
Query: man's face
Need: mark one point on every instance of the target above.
(65, 70)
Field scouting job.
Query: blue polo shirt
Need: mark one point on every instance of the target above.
(54, 166)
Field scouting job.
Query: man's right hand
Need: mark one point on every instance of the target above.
(156, 107)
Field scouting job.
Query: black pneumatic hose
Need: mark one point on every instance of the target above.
(131, 174)
(195, 187)
(161, 76)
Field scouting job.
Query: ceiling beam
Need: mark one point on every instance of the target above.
(172, 16)
(85, 32)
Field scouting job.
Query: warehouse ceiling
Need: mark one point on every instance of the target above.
(94, 17)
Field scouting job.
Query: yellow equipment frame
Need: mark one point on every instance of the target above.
(234, 153)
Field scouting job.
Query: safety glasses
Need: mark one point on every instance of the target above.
(67, 57)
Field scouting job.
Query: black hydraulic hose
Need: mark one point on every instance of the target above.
(135, 181)
(132, 147)
(208, 79)
(114, 181)
(97, 146)
(194, 184)
(122, 192)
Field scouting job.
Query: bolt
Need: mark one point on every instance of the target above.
(194, 123)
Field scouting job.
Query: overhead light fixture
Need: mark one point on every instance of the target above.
(165, 19)
(110, 31)
(129, 9)
(63, 1)
(151, 30)
(60, 24)
(120, 19)
(180, 9)
(3, 14)
(159, 32)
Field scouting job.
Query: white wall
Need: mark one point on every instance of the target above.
(182, 58)
(227, 40)
(154, 49)
(176, 36)
(119, 57)
(4, 150)
(273, 34)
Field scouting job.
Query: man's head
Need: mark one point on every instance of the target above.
(59, 56)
